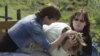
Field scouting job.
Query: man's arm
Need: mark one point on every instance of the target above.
(57, 42)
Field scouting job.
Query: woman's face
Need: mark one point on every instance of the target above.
(78, 23)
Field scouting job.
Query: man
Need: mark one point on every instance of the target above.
(29, 30)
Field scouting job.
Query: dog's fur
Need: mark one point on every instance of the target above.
(73, 48)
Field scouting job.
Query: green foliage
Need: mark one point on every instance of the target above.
(67, 7)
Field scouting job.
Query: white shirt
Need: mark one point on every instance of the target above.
(53, 31)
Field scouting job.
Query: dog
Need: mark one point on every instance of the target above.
(73, 43)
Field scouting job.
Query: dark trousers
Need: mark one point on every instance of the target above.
(7, 44)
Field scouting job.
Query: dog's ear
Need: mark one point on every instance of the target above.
(80, 39)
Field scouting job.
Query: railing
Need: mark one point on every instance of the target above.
(5, 25)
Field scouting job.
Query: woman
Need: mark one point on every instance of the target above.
(79, 22)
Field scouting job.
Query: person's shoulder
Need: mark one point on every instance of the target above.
(60, 25)
(31, 16)
(27, 19)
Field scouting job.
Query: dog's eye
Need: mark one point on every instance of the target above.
(72, 55)
(73, 38)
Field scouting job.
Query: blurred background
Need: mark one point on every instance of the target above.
(67, 7)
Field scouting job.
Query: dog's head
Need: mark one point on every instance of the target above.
(73, 42)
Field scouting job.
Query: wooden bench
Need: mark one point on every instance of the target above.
(5, 25)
